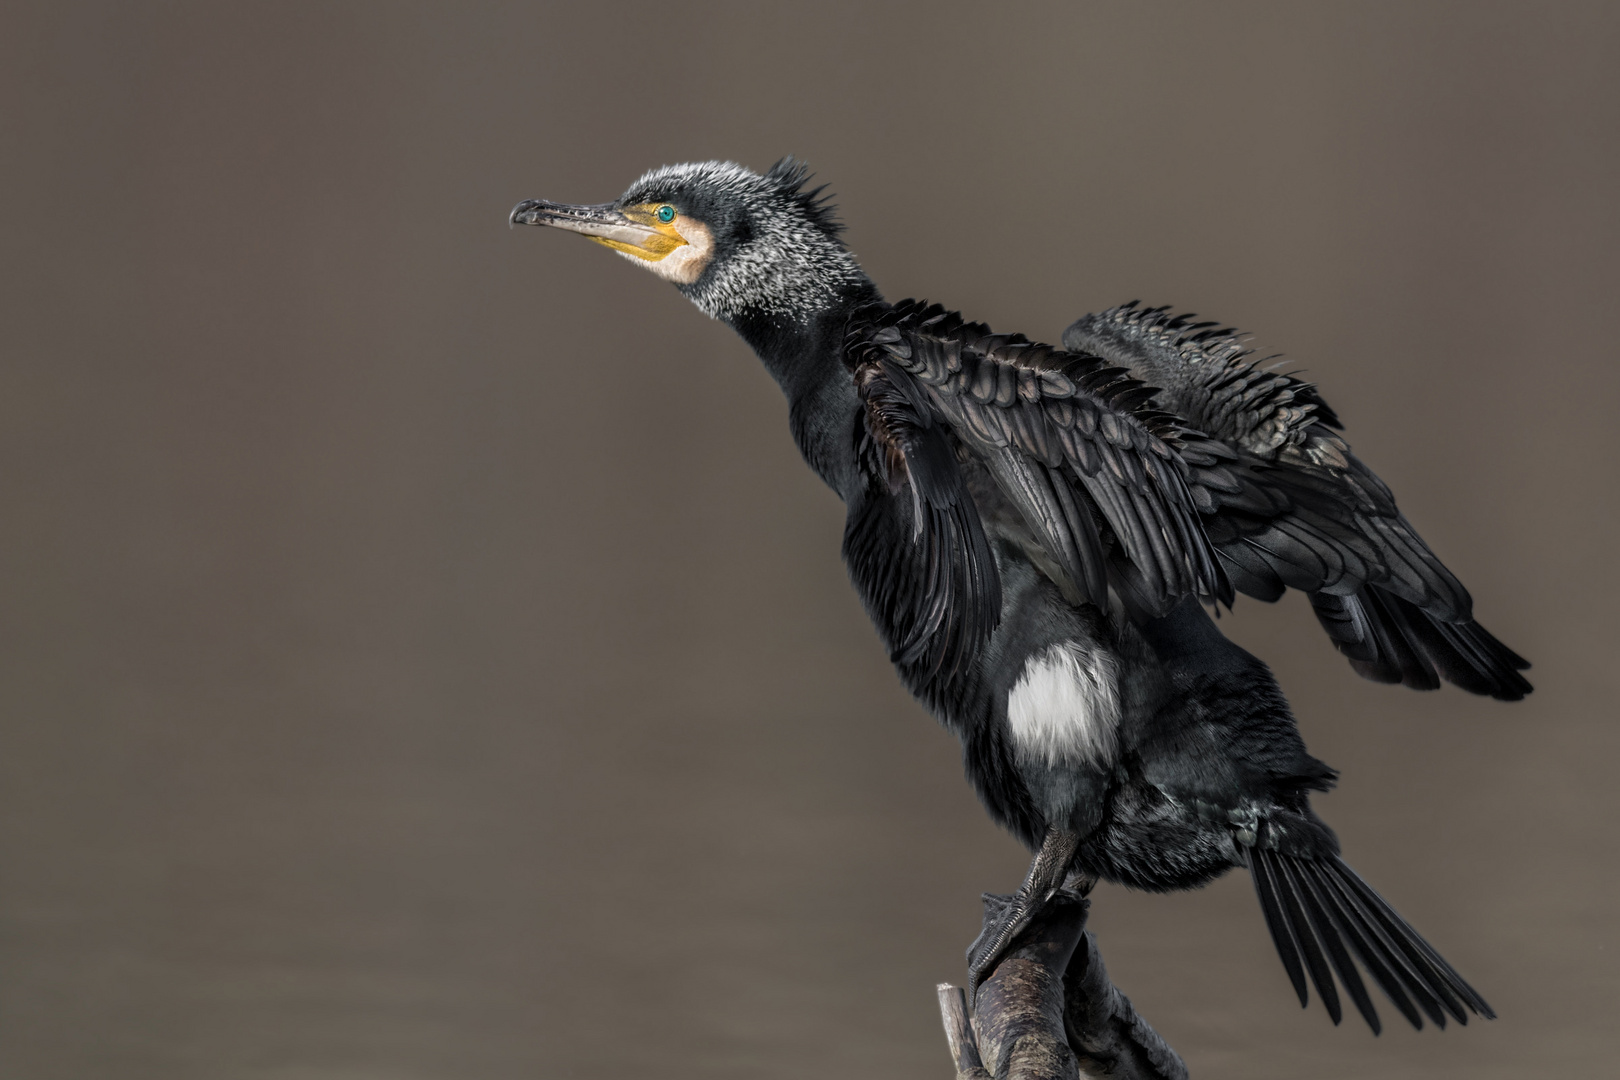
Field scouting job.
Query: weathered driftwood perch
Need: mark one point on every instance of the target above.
(1048, 1011)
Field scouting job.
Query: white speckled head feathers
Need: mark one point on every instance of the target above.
(776, 251)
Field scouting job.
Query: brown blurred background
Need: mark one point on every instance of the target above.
(425, 655)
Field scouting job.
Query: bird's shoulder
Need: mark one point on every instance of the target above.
(985, 379)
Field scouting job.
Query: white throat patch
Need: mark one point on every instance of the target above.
(686, 263)
(1064, 709)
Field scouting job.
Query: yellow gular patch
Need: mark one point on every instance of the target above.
(676, 250)
(664, 239)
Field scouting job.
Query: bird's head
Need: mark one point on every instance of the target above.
(742, 246)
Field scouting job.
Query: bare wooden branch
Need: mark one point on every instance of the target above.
(1049, 1011)
(959, 1033)
(1104, 1029)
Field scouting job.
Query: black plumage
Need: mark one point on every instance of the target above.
(1036, 532)
(1305, 512)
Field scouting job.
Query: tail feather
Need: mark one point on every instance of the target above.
(1411, 940)
(1324, 925)
(1265, 886)
(1391, 970)
(1320, 912)
(1296, 903)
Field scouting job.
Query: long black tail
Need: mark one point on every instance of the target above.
(1319, 912)
(1392, 640)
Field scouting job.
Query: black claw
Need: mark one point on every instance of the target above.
(993, 941)
(1003, 922)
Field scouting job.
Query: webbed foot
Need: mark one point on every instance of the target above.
(1046, 875)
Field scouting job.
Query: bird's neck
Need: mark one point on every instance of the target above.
(805, 357)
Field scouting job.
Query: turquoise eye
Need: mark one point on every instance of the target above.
(666, 214)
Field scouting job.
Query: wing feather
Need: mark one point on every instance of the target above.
(1074, 444)
(914, 542)
(1287, 505)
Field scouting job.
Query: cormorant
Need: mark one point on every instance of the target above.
(1036, 532)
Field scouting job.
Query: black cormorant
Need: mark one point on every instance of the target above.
(1036, 533)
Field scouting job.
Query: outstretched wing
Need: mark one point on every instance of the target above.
(1306, 513)
(1094, 472)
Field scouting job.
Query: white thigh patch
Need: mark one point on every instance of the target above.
(1065, 706)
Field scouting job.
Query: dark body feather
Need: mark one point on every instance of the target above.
(1307, 513)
